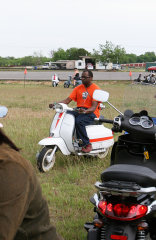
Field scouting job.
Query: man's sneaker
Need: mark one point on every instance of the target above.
(87, 148)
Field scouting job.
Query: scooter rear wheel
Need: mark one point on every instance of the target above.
(103, 154)
(42, 162)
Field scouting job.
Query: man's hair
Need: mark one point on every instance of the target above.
(89, 72)
(5, 139)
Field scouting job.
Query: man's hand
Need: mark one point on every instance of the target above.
(81, 110)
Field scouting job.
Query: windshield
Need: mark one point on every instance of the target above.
(139, 97)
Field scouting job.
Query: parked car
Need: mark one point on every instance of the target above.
(90, 66)
(151, 69)
(49, 65)
(116, 67)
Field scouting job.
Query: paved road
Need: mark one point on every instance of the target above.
(63, 75)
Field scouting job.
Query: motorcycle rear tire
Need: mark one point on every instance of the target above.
(42, 163)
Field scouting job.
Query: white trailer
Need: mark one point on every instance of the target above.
(80, 64)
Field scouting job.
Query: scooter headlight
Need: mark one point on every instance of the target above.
(59, 108)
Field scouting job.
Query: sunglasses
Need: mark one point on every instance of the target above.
(84, 77)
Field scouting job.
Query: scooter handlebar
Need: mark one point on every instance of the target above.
(104, 120)
(107, 121)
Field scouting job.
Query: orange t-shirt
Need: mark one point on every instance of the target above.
(84, 96)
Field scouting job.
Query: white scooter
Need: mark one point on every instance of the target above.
(63, 136)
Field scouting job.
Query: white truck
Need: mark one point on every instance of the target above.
(49, 65)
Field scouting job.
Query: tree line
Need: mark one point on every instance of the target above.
(107, 52)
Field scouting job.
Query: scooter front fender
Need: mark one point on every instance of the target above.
(57, 142)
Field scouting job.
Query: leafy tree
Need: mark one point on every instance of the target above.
(147, 57)
(69, 54)
(130, 58)
(109, 53)
(75, 53)
(60, 54)
(96, 54)
(27, 61)
(119, 54)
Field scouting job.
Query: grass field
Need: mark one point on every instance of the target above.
(70, 184)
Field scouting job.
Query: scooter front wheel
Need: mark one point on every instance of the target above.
(46, 159)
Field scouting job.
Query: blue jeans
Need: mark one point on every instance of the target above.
(81, 121)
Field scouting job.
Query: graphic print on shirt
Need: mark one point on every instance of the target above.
(84, 95)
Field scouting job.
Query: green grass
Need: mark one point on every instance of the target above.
(70, 184)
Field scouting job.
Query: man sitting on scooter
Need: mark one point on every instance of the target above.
(87, 107)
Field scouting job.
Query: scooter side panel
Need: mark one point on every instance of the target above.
(100, 136)
(67, 130)
(50, 141)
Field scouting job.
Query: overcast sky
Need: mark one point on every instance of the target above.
(28, 26)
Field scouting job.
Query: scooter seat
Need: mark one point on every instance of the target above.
(143, 176)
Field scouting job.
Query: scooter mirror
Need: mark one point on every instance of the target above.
(3, 111)
(100, 95)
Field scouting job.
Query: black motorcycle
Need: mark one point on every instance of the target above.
(125, 203)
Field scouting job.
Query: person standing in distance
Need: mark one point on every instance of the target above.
(88, 107)
(75, 76)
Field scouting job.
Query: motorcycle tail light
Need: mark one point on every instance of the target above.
(122, 211)
(118, 237)
(102, 206)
